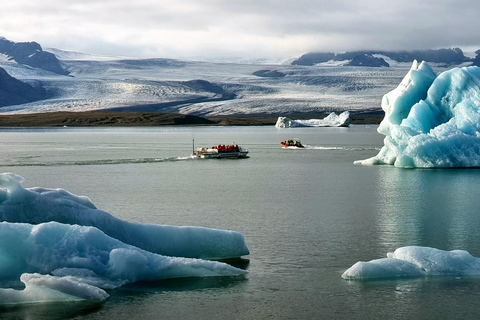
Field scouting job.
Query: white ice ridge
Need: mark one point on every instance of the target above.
(332, 120)
(44, 288)
(61, 262)
(64, 249)
(39, 205)
(413, 261)
(432, 121)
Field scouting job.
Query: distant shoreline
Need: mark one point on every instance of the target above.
(132, 119)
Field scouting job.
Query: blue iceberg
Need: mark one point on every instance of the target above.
(432, 121)
(39, 205)
(59, 247)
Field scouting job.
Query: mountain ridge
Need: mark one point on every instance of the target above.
(31, 54)
(211, 89)
(448, 57)
(14, 91)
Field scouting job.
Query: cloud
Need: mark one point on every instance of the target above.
(180, 28)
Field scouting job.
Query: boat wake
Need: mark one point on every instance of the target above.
(339, 148)
(98, 162)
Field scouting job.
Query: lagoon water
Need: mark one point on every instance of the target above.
(307, 215)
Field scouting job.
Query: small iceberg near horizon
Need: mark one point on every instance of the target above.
(57, 246)
(332, 120)
(416, 261)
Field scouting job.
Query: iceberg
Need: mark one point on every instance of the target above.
(332, 120)
(39, 205)
(61, 262)
(44, 288)
(415, 261)
(53, 248)
(432, 121)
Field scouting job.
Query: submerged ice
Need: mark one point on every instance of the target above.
(332, 120)
(413, 261)
(432, 121)
(64, 249)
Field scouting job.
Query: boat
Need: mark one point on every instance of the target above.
(220, 151)
(292, 144)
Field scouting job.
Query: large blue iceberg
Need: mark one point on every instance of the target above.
(39, 205)
(432, 121)
(64, 249)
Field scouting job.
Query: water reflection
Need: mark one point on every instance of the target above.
(50, 311)
(435, 208)
(135, 293)
(180, 284)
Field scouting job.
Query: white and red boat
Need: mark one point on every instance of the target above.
(221, 151)
(292, 144)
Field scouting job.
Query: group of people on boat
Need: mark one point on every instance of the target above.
(292, 143)
(223, 148)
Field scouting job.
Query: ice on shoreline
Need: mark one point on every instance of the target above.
(332, 120)
(58, 245)
(432, 121)
(414, 261)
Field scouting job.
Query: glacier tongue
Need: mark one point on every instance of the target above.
(432, 121)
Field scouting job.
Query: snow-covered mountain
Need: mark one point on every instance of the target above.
(30, 54)
(371, 58)
(201, 88)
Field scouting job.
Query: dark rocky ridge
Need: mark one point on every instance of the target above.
(13, 91)
(31, 54)
(476, 61)
(100, 118)
(128, 119)
(367, 60)
(445, 56)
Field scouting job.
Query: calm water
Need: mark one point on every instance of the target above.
(307, 215)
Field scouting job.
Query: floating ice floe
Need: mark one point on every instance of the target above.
(432, 121)
(38, 205)
(413, 261)
(332, 120)
(58, 245)
(44, 288)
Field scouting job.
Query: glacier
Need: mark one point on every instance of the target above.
(164, 85)
(416, 261)
(332, 120)
(56, 246)
(432, 121)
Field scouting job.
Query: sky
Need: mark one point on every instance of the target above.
(240, 28)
